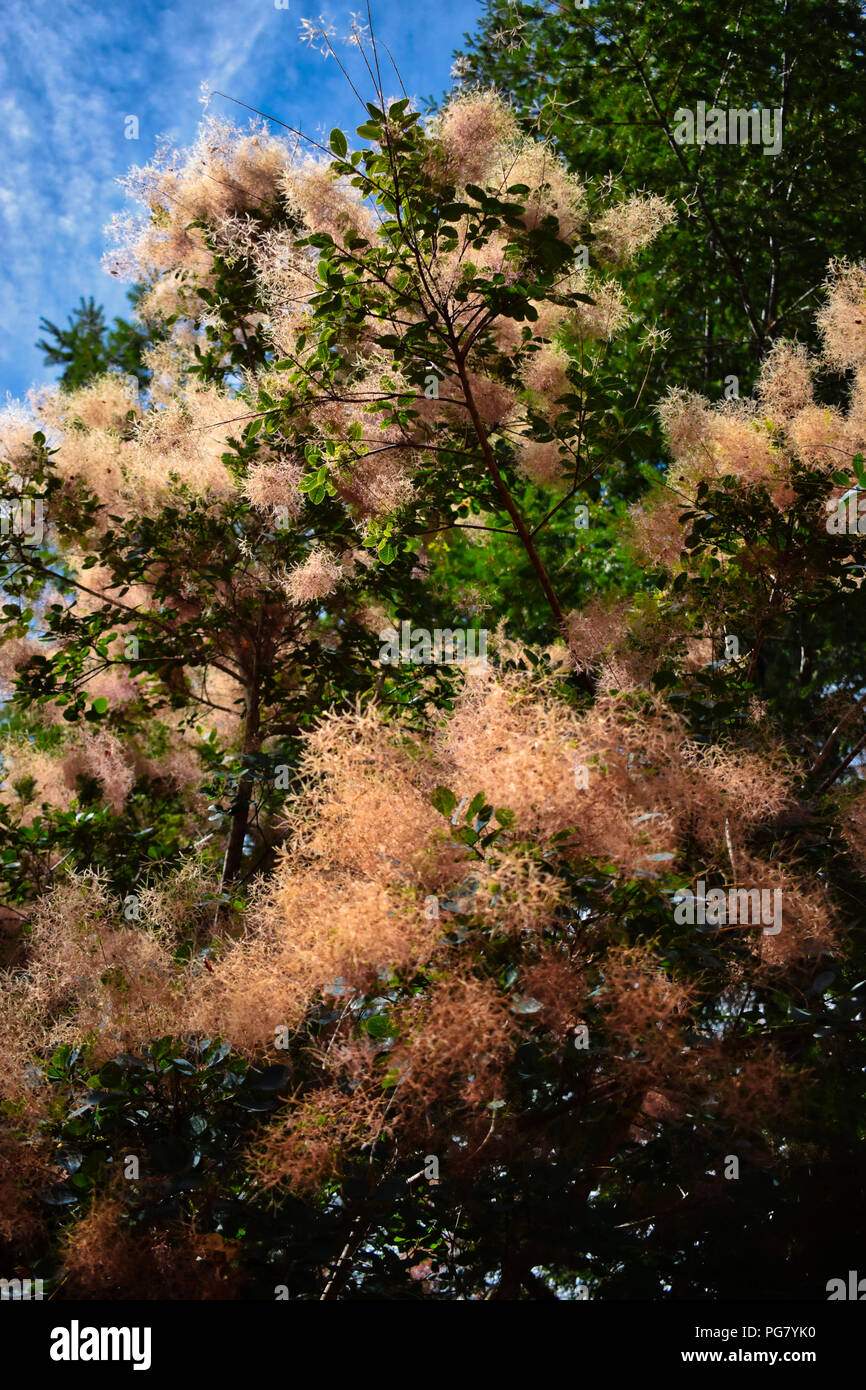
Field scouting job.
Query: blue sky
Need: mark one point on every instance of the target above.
(70, 73)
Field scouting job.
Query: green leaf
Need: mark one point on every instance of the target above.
(474, 807)
(444, 800)
(100, 704)
(338, 143)
(525, 1004)
(379, 1027)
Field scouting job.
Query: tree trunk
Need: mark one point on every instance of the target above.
(240, 815)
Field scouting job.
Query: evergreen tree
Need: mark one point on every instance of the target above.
(87, 347)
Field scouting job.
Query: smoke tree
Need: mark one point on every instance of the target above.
(376, 969)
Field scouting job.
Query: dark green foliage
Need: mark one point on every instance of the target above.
(87, 347)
